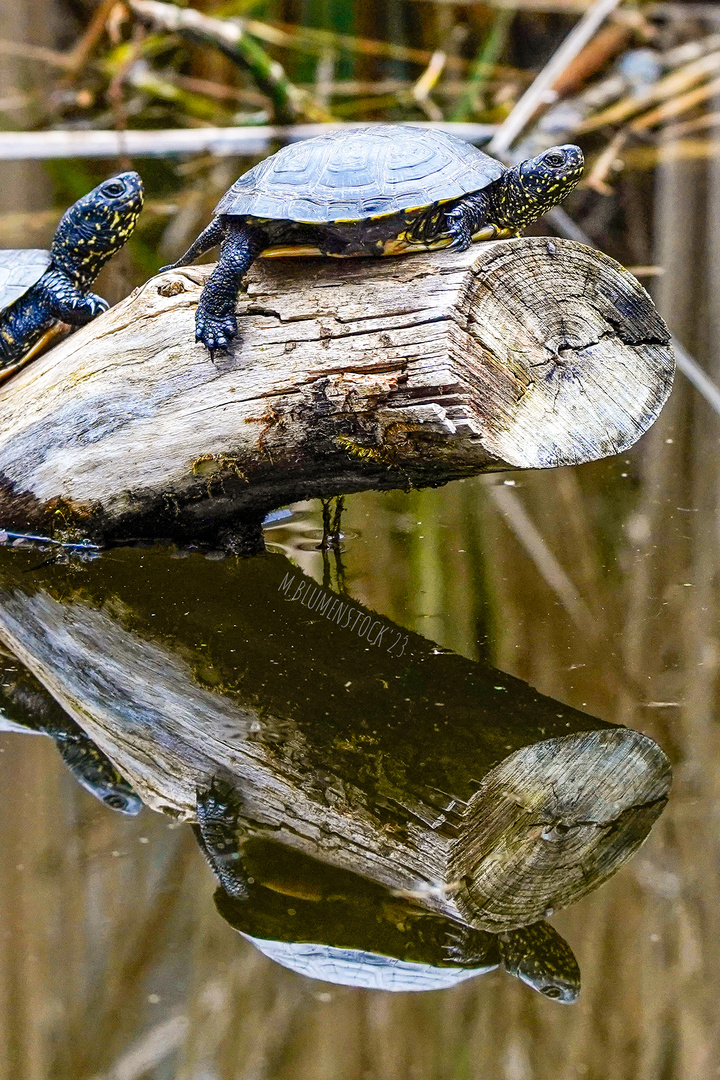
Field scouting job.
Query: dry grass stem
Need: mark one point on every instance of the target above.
(672, 85)
(541, 91)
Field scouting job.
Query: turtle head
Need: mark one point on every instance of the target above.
(531, 188)
(97, 774)
(543, 960)
(94, 228)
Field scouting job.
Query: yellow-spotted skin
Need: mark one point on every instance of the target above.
(43, 291)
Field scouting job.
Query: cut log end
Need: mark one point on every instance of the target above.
(588, 358)
(553, 821)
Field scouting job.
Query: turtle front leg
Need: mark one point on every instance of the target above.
(215, 321)
(218, 834)
(67, 302)
(471, 219)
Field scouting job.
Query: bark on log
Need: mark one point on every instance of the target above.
(390, 758)
(348, 375)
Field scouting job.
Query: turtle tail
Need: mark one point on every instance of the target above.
(209, 238)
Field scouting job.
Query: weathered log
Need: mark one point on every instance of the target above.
(341, 927)
(346, 738)
(348, 375)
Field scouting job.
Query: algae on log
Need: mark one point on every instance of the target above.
(347, 375)
(346, 737)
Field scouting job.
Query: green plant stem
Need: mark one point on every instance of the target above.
(290, 102)
(484, 66)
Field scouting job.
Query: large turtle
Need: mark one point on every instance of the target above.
(383, 190)
(40, 289)
(344, 929)
(537, 955)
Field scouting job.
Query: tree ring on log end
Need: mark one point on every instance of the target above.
(585, 359)
(553, 821)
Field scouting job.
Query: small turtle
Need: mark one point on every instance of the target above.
(39, 289)
(27, 707)
(384, 190)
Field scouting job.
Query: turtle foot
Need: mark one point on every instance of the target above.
(468, 947)
(83, 308)
(95, 304)
(459, 229)
(215, 332)
(219, 834)
(455, 947)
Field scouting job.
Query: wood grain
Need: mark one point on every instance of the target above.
(347, 375)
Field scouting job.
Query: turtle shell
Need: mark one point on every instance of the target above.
(355, 967)
(349, 176)
(19, 271)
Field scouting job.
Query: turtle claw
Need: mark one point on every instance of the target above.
(215, 332)
(458, 230)
(455, 947)
(90, 306)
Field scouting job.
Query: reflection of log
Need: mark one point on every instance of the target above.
(345, 737)
(341, 927)
(355, 374)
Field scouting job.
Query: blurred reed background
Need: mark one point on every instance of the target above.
(599, 585)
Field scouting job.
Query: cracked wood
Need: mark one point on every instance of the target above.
(347, 375)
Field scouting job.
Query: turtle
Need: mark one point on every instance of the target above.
(345, 929)
(27, 707)
(41, 289)
(554, 974)
(383, 190)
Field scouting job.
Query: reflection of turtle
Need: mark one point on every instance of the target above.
(38, 289)
(331, 924)
(372, 191)
(535, 954)
(26, 706)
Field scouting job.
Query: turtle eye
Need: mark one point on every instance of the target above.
(552, 992)
(555, 159)
(113, 188)
(115, 802)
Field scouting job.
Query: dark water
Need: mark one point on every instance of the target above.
(596, 585)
